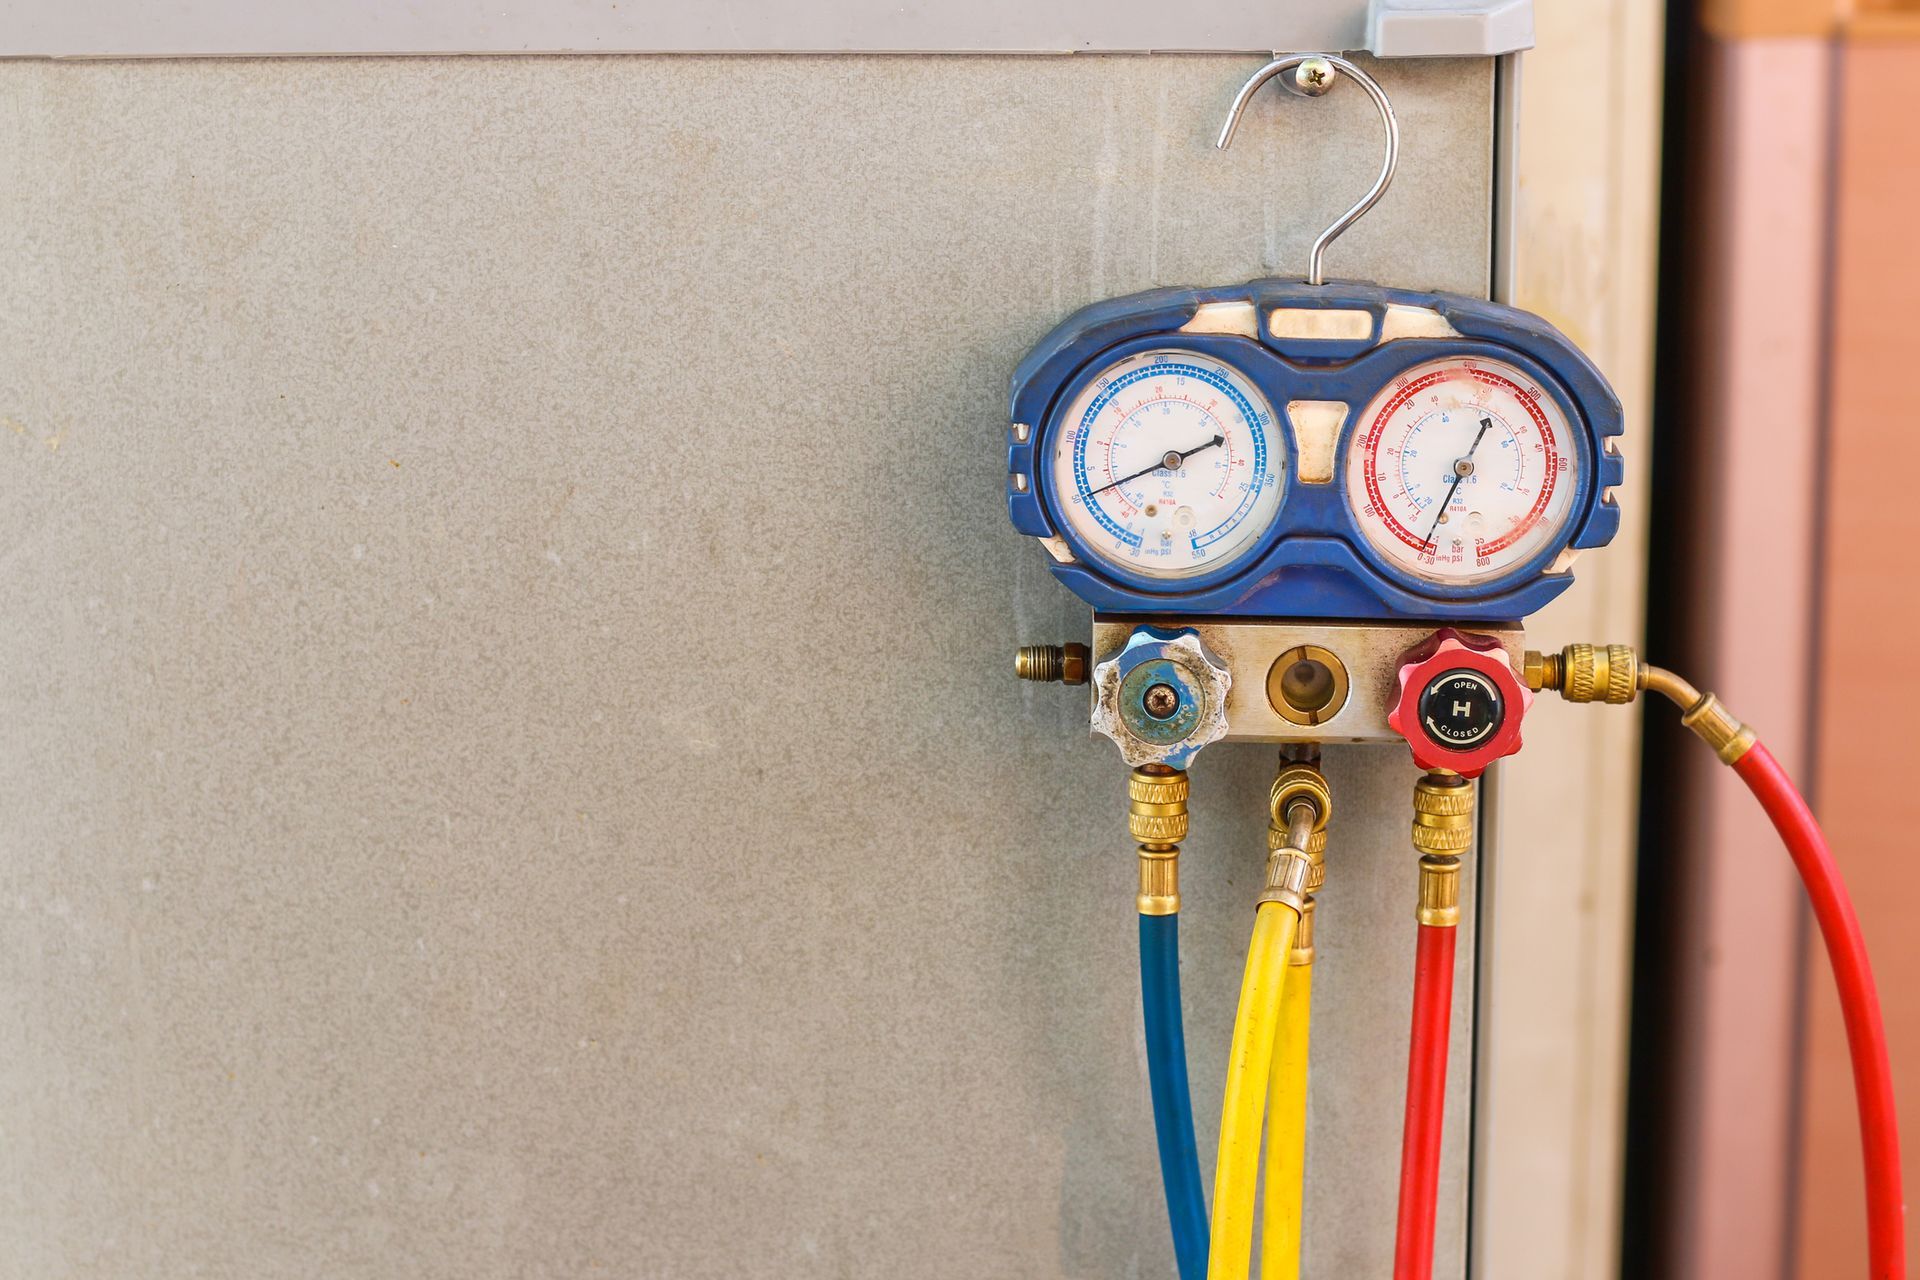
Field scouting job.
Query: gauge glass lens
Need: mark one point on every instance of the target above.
(1168, 464)
(1461, 470)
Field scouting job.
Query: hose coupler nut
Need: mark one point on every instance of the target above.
(1442, 816)
(1157, 806)
(1587, 673)
(1299, 782)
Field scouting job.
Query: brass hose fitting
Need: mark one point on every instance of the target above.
(1442, 831)
(1299, 787)
(1614, 674)
(1302, 953)
(1298, 806)
(1718, 728)
(1299, 782)
(1287, 880)
(1157, 819)
(1316, 852)
(1586, 673)
(1703, 713)
(1442, 815)
(1062, 663)
(1439, 892)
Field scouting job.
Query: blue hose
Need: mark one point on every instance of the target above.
(1172, 1103)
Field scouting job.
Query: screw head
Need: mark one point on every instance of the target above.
(1161, 701)
(1314, 77)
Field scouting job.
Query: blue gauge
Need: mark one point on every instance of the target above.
(1167, 464)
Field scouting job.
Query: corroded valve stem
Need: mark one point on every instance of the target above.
(1157, 819)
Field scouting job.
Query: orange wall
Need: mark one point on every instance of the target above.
(1868, 675)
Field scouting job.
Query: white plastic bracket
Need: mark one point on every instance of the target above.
(1448, 28)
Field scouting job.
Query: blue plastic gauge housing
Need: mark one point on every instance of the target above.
(1326, 390)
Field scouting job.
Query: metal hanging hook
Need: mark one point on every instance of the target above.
(1316, 76)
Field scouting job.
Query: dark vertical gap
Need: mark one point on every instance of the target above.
(1817, 549)
(1647, 1200)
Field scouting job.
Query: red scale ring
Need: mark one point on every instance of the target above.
(1462, 470)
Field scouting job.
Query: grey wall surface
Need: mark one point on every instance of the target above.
(508, 758)
(59, 28)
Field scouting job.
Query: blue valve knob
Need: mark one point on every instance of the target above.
(1162, 697)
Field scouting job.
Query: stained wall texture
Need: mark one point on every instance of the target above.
(508, 757)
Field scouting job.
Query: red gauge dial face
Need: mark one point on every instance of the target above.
(1461, 470)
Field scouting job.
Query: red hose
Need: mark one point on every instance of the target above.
(1426, 1102)
(1859, 1005)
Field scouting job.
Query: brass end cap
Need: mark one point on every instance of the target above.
(1439, 891)
(1157, 806)
(1297, 782)
(1586, 673)
(1052, 663)
(1442, 815)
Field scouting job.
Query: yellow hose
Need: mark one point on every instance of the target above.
(1236, 1174)
(1287, 1132)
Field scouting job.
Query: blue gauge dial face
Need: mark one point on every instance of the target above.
(1168, 464)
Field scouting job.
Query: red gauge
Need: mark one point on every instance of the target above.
(1461, 470)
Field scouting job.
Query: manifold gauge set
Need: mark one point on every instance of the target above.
(1224, 465)
(1306, 512)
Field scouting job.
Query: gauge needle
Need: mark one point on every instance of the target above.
(1461, 470)
(1168, 463)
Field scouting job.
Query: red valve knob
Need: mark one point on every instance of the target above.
(1460, 704)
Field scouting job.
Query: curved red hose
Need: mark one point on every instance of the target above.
(1426, 1102)
(1859, 1005)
